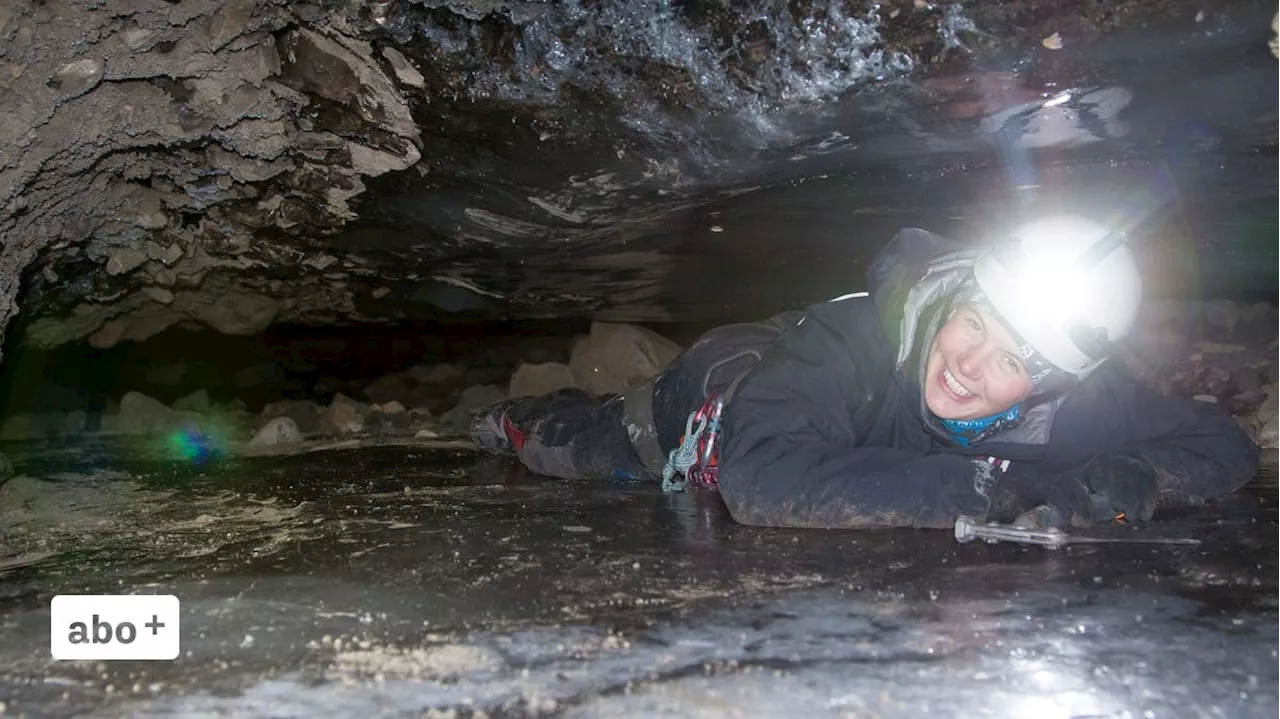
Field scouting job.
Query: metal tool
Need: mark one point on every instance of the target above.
(968, 529)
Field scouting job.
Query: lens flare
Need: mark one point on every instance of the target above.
(196, 444)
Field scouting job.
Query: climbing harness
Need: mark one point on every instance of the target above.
(696, 458)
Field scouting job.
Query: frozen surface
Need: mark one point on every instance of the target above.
(404, 580)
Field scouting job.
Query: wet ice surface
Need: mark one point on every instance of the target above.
(393, 581)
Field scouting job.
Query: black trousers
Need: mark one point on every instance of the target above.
(572, 435)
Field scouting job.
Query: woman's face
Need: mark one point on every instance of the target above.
(974, 369)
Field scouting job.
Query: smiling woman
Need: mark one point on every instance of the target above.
(975, 368)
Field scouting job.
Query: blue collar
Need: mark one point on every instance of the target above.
(967, 431)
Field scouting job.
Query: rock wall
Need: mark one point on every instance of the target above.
(171, 162)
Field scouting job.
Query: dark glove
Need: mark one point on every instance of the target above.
(1060, 500)
(1127, 481)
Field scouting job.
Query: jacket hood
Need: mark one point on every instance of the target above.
(909, 277)
(911, 281)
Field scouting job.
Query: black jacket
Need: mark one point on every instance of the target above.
(829, 428)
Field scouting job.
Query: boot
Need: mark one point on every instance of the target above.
(492, 431)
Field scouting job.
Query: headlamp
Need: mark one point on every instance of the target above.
(1067, 285)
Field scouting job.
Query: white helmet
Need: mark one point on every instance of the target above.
(1068, 285)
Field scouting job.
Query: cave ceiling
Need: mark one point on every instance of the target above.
(237, 164)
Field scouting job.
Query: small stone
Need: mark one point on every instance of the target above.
(380, 292)
(77, 78)
(1206, 398)
(152, 220)
(392, 407)
(344, 415)
(108, 335)
(159, 294)
(320, 262)
(391, 425)
(228, 23)
(124, 260)
(136, 38)
(425, 434)
(140, 414)
(304, 413)
(480, 396)
(405, 71)
(1053, 42)
(277, 432)
(172, 254)
(154, 250)
(1274, 42)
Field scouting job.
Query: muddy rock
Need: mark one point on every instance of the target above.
(344, 415)
(480, 396)
(615, 357)
(197, 401)
(422, 420)
(140, 414)
(277, 432)
(1262, 425)
(305, 414)
(124, 260)
(392, 424)
(77, 78)
(1269, 434)
(236, 405)
(472, 401)
(531, 380)
(404, 70)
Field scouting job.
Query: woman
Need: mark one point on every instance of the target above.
(965, 382)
